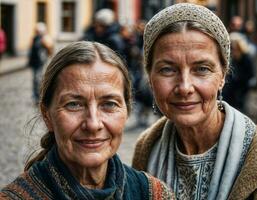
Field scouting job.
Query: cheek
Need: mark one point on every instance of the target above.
(161, 88)
(209, 96)
(65, 125)
(115, 125)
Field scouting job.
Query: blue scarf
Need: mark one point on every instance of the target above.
(57, 182)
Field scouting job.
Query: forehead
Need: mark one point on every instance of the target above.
(91, 74)
(185, 40)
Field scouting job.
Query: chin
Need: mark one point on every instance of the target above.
(186, 121)
(94, 160)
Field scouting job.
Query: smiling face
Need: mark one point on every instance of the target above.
(87, 114)
(185, 77)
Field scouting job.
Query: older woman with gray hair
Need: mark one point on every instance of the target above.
(202, 148)
(85, 100)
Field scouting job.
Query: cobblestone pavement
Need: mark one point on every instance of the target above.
(16, 139)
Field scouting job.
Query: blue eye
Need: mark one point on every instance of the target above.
(202, 69)
(167, 70)
(73, 105)
(110, 105)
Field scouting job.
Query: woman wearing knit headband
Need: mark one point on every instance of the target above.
(202, 148)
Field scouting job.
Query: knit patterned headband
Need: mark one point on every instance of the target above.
(182, 12)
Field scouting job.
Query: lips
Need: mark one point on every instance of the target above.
(91, 143)
(185, 105)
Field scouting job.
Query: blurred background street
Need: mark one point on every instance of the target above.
(66, 21)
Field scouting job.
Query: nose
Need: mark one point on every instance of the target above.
(184, 85)
(92, 121)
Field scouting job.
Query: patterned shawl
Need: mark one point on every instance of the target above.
(233, 144)
(51, 179)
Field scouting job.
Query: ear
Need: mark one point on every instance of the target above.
(222, 83)
(149, 82)
(46, 118)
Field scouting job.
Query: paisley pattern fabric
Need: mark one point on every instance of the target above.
(193, 174)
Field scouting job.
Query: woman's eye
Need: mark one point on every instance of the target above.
(110, 105)
(73, 105)
(202, 69)
(167, 70)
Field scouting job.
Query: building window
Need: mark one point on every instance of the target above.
(41, 12)
(68, 16)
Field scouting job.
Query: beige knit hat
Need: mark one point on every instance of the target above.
(183, 12)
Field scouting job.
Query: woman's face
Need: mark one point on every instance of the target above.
(88, 113)
(185, 77)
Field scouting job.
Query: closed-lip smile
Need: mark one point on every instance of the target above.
(92, 143)
(184, 105)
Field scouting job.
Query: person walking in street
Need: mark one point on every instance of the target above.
(85, 100)
(106, 30)
(203, 148)
(238, 82)
(2, 42)
(41, 49)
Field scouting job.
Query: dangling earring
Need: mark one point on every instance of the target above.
(220, 97)
(155, 112)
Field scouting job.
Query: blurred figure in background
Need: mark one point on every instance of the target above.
(142, 92)
(236, 24)
(41, 49)
(238, 85)
(249, 30)
(105, 29)
(2, 42)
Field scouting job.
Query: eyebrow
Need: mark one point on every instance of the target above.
(165, 61)
(111, 96)
(209, 62)
(70, 95)
(80, 97)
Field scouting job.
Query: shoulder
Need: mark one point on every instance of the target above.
(153, 131)
(16, 189)
(149, 186)
(22, 188)
(243, 188)
(158, 189)
(145, 143)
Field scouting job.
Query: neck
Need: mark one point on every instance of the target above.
(89, 177)
(200, 138)
(93, 178)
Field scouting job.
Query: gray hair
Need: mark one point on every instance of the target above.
(190, 13)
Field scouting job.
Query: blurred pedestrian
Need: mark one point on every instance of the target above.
(242, 71)
(249, 32)
(2, 42)
(41, 49)
(236, 24)
(106, 30)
